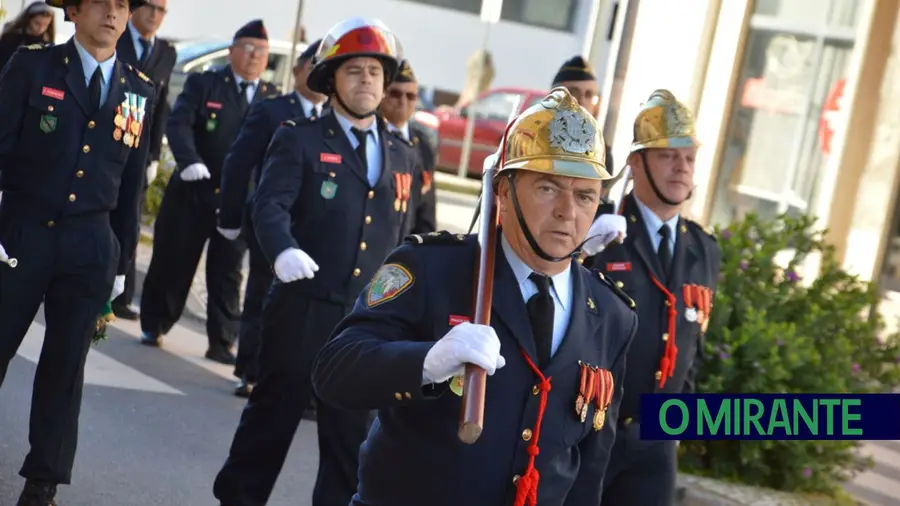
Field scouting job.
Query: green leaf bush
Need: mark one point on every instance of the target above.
(158, 186)
(772, 331)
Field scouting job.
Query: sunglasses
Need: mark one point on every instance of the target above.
(397, 94)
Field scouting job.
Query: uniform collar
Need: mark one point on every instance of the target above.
(521, 271)
(403, 130)
(346, 126)
(654, 223)
(308, 105)
(89, 64)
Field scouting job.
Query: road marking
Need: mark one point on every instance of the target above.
(878, 486)
(100, 369)
(183, 343)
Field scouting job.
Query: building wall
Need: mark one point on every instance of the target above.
(438, 41)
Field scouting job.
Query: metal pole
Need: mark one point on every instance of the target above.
(470, 119)
(285, 84)
(590, 35)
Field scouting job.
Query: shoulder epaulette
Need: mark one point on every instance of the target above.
(289, 123)
(34, 47)
(138, 72)
(709, 230)
(442, 237)
(618, 291)
(400, 138)
(298, 121)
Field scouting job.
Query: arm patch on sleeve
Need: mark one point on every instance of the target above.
(389, 282)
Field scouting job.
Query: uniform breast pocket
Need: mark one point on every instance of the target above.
(631, 282)
(47, 116)
(210, 116)
(326, 182)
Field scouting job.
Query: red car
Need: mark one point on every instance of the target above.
(493, 109)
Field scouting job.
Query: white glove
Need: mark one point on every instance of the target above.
(229, 233)
(293, 264)
(466, 343)
(3, 256)
(118, 287)
(605, 229)
(195, 172)
(152, 171)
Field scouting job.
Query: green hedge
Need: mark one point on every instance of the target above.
(773, 332)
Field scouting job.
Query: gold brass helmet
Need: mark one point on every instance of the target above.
(556, 136)
(664, 122)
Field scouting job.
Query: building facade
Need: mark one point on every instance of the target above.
(798, 110)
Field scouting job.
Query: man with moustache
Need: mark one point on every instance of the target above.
(204, 122)
(74, 136)
(155, 57)
(558, 333)
(398, 107)
(244, 161)
(666, 262)
(333, 201)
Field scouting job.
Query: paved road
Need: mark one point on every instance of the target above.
(880, 486)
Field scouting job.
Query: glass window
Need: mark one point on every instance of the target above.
(496, 106)
(778, 137)
(473, 6)
(555, 14)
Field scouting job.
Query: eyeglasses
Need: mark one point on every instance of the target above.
(251, 48)
(397, 95)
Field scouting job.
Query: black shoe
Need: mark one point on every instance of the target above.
(150, 339)
(38, 493)
(243, 388)
(220, 355)
(125, 312)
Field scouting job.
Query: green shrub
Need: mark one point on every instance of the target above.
(773, 332)
(158, 186)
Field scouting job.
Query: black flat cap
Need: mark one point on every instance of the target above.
(405, 73)
(576, 69)
(252, 30)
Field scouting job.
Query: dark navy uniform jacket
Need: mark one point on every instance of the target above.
(413, 456)
(248, 151)
(426, 207)
(205, 120)
(314, 194)
(158, 67)
(57, 159)
(633, 265)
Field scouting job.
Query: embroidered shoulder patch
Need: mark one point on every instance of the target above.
(442, 237)
(389, 282)
(616, 290)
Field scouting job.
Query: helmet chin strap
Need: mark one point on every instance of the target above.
(659, 195)
(527, 233)
(349, 110)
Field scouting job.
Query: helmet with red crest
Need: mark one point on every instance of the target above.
(353, 38)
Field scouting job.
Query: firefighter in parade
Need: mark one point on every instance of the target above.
(333, 201)
(669, 265)
(155, 57)
(398, 107)
(67, 231)
(203, 124)
(554, 352)
(579, 78)
(241, 167)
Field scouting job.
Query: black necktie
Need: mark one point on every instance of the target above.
(664, 252)
(243, 86)
(362, 136)
(540, 312)
(145, 45)
(95, 89)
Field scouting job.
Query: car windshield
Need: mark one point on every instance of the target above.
(190, 50)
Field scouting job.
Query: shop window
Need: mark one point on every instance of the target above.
(555, 14)
(783, 114)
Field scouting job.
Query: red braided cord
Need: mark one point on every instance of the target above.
(527, 484)
(667, 363)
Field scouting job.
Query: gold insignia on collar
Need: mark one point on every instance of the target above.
(633, 218)
(122, 80)
(683, 228)
(66, 60)
(591, 305)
